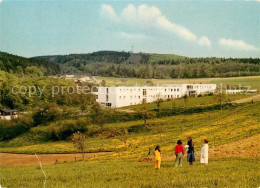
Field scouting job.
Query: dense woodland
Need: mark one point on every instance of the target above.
(140, 65)
(17, 64)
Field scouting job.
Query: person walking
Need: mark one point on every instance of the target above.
(204, 157)
(190, 152)
(179, 152)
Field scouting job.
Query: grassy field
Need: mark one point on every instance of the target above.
(253, 81)
(94, 173)
(218, 126)
(233, 135)
(192, 102)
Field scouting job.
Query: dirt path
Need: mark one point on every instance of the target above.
(246, 148)
(248, 99)
(8, 159)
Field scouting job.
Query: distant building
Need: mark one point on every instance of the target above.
(69, 76)
(6, 114)
(84, 78)
(115, 97)
(240, 91)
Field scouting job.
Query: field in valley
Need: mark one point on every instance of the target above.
(231, 132)
(252, 81)
(118, 160)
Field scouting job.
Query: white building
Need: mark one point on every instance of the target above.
(6, 114)
(69, 76)
(115, 97)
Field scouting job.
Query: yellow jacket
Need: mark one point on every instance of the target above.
(157, 155)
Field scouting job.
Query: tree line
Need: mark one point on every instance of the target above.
(160, 71)
(141, 65)
(12, 63)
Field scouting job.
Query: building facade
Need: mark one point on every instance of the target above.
(6, 114)
(116, 97)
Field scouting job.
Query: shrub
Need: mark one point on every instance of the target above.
(16, 127)
(49, 112)
(64, 129)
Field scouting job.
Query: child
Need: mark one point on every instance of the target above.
(204, 157)
(158, 156)
(179, 152)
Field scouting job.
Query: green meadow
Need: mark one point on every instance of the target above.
(219, 126)
(121, 173)
(252, 81)
(121, 166)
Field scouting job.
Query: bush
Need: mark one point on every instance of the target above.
(64, 129)
(14, 128)
(49, 112)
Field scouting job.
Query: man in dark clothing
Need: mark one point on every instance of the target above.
(190, 152)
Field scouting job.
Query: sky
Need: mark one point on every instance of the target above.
(195, 28)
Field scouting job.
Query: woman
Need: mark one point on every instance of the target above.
(204, 157)
(190, 152)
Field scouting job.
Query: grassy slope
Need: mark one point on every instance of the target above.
(253, 81)
(121, 168)
(219, 173)
(193, 101)
(160, 57)
(219, 127)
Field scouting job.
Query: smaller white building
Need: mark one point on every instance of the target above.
(116, 97)
(69, 76)
(6, 114)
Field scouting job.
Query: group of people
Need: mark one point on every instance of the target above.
(179, 153)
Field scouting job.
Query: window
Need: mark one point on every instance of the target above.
(189, 86)
(108, 105)
(144, 92)
(107, 90)
(106, 97)
(178, 89)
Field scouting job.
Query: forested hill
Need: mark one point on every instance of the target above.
(13, 63)
(144, 65)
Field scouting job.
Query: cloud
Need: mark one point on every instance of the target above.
(236, 45)
(107, 10)
(145, 16)
(133, 36)
(1, 1)
(204, 41)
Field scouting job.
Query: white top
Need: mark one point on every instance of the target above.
(204, 154)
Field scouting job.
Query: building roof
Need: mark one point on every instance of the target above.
(8, 111)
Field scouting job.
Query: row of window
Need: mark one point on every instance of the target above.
(197, 87)
(151, 89)
(154, 96)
